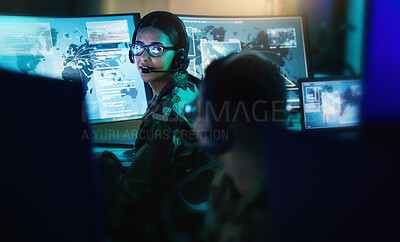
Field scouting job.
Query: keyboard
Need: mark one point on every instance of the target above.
(126, 159)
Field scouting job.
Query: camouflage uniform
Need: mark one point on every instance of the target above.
(232, 217)
(132, 212)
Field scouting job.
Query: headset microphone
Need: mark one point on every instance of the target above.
(149, 70)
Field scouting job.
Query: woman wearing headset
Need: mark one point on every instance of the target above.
(159, 48)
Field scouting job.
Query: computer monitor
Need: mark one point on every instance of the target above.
(330, 103)
(284, 40)
(93, 50)
(48, 178)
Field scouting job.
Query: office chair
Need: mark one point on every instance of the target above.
(184, 206)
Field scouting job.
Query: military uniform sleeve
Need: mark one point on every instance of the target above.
(133, 203)
(235, 218)
(131, 209)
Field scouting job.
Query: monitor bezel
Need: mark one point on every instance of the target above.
(352, 128)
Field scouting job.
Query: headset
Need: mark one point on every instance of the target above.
(208, 139)
(180, 62)
(218, 143)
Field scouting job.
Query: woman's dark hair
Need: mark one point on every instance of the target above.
(169, 24)
(175, 29)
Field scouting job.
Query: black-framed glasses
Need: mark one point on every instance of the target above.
(153, 50)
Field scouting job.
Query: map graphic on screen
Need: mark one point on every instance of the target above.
(212, 50)
(331, 104)
(281, 39)
(93, 50)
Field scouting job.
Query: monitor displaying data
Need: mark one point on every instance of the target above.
(330, 103)
(283, 40)
(92, 50)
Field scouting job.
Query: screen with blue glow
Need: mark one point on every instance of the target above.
(93, 50)
(281, 39)
(382, 72)
(330, 103)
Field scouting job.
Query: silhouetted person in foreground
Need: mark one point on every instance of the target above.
(240, 97)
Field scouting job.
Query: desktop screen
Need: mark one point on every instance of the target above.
(93, 50)
(284, 40)
(330, 103)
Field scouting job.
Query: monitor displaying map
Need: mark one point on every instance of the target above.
(330, 103)
(283, 40)
(92, 50)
